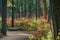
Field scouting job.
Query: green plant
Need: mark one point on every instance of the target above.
(31, 37)
(58, 37)
(32, 26)
(49, 36)
(43, 30)
(0, 23)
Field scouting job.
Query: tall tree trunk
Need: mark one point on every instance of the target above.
(56, 11)
(0, 6)
(44, 9)
(22, 7)
(30, 11)
(12, 13)
(25, 8)
(17, 9)
(39, 11)
(4, 25)
(52, 19)
(36, 8)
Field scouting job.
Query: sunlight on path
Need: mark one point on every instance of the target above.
(20, 34)
(16, 35)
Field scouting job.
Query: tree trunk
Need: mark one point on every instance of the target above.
(25, 8)
(56, 11)
(30, 11)
(44, 9)
(36, 8)
(0, 6)
(12, 13)
(17, 9)
(22, 7)
(4, 25)
(39, 9)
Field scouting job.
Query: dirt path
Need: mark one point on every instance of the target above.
(16, 35)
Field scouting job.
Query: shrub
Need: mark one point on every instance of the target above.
(58, 36)
(24, 23)
(43, 28)
(29, 24)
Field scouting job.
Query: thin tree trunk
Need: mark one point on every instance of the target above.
(36, 8)
(44, 9)
(22, 8)
(39, 9)
(25, 8)
(17, 9)
(0, 6)
(30, 11)
(4, 25)
(12, 13)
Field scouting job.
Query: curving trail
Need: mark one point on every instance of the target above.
(17, 35)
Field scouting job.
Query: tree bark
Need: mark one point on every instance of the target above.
(17, 9)
(0, 6)
(36, 8)
(39, 9)
(57, 15)
(4, 25)
(30, 11)
(44, 9)
(12, 13)
(22, 7)
(55, 5)
(25, 8)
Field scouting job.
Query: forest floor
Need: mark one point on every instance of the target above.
(17, 35)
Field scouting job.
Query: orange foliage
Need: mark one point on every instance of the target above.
(18, 21)
(42, 19)
(38, 33)
(26, 20)
(43, 25)
(9, 21)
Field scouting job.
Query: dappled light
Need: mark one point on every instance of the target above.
(29, 20)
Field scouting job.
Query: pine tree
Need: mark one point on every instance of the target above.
(4, 25)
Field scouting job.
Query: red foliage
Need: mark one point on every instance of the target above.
(9, 21)
(26, 20)
(18, 21)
